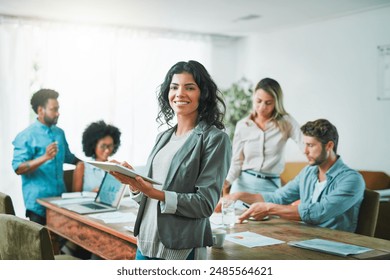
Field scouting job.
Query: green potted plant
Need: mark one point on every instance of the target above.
(238, 100)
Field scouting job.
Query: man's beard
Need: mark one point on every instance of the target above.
(50, 121)
(321, 158)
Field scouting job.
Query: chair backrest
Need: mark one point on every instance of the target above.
(291, 170)
(376, 180)
(68, 179)
(368, 213)
(22, 239)
(6, 206)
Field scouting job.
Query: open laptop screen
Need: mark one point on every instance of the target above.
(110, 191)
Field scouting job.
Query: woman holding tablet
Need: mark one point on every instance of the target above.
(173, 218)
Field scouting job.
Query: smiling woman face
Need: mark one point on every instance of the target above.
(184, 95)
(104, 148)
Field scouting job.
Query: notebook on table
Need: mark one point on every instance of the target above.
(107, 199)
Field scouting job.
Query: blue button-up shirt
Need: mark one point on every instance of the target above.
(338, 204)
(47, 180)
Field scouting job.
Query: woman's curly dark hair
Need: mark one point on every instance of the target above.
(96, 131)
(211, 106)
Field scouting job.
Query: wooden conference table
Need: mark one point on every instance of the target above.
(113, 241)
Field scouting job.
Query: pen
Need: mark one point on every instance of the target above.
(246, 205)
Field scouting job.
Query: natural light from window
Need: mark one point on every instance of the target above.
(101, 73)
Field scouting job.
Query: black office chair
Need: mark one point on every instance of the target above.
(368, 213)
(68, 179)
(6, 205)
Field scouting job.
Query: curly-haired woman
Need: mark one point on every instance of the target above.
(100, 141)
(191, 159)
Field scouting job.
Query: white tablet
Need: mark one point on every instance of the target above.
(110, 166)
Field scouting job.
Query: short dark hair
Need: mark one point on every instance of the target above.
(41, 97)
(96, 131)
(323, 131)
(211, 106)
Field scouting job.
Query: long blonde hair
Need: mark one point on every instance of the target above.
(273, 88)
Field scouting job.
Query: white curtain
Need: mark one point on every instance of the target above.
(107, 73)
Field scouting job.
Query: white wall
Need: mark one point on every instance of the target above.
(329, 70)
(223, 63)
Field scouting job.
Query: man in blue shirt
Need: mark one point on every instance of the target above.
(330, 192)
(39, 154)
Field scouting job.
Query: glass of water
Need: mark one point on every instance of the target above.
(228, 212)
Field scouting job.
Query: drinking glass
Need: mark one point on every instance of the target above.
(228, 212)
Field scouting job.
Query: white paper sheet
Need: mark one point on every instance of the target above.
(114, 217)
(65, 201)
(251, 239)
(78, 194)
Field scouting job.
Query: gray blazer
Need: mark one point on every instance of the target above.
(196, 174)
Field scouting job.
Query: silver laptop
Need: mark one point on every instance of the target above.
(107, 199)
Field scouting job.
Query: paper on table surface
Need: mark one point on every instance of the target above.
(78, 194)
(251, 239)
(129, 228)
(331, 247)
(65, 201)
(129, 202)
(114, 217)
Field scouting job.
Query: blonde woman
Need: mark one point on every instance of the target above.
(259, 142)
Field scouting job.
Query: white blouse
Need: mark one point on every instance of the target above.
(261, 151)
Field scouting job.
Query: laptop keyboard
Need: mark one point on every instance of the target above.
(94, 206)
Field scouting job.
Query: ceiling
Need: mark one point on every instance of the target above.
(222, 17)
